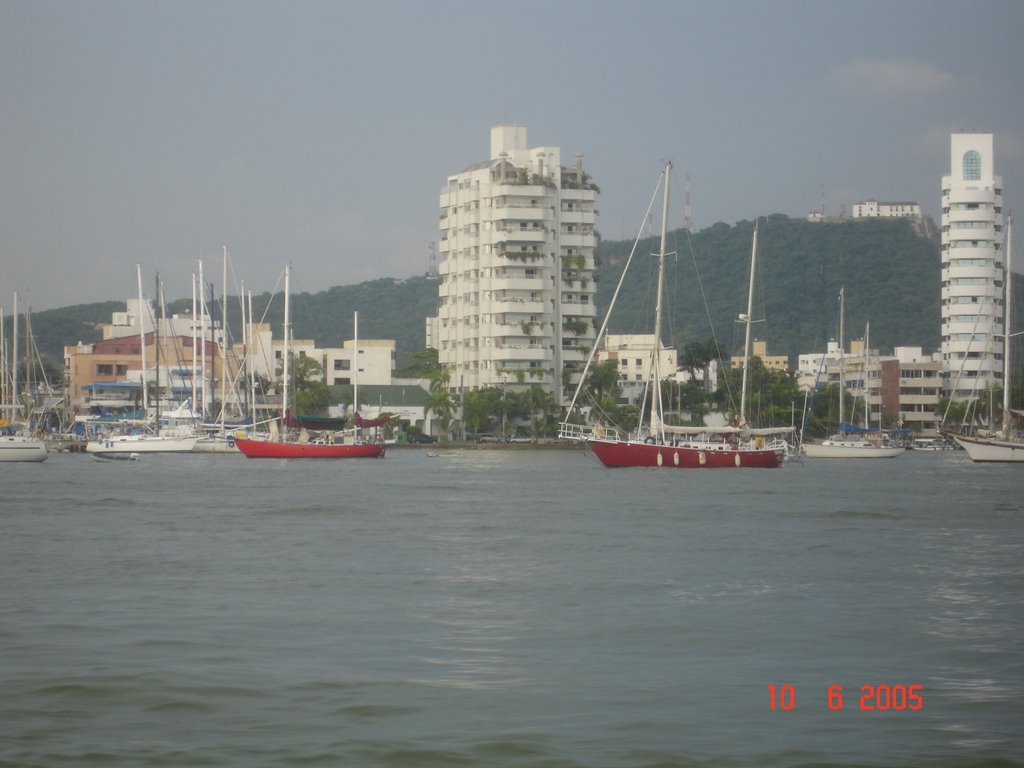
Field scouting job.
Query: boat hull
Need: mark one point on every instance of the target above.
(132, 446)
(215, 445)
(984, 449)
(823, 451)
(266, 449)
(628, 453)
(22, 449)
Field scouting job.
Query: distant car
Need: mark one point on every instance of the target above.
(422, 439)
(520, 439)
(489, 439)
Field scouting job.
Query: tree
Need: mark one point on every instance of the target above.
(698, 356)
(603, 380)
(440, 403)
(422, 365)
(479, 409)
(770, 394)
(312, 397)
(539, 405)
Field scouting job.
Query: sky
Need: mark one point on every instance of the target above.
(321, 133)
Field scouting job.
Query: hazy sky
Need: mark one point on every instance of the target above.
(321, 133)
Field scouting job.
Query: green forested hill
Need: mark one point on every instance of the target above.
(891, 276)
(892, 279)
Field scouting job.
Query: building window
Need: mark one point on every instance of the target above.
(104, 369)
(972, 166)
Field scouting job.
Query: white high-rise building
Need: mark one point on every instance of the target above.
(973, 267)
(516, 269)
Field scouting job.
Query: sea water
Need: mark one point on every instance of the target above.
(510, 608)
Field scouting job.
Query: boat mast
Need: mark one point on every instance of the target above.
(252, 367)
(194, 350)
(1006, 329)
(142, 339)
(3, 363)
(656, 406)
(746, 319)
(287, 343)
(15, 400)
(842, 355)
(202, 345)
(864, 377)
(224, 340)
(28, 358)
(156, 345)
(355, 362)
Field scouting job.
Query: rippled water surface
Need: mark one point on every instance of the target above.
(508, 608)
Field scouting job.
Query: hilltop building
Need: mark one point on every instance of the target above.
(872, 209)
(516, 269)
(973, 268)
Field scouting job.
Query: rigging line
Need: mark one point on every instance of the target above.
(707, 309)
(263, 353)
(615, 295)
(39, 358)
(971, 405)
(821, 367)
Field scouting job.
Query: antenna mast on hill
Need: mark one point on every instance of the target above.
(687, 220)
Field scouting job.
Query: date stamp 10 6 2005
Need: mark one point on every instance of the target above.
(871, 697)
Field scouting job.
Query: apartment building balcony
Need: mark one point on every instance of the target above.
(980, 195)
(514, 212)
(584, 194)
(578, 216)
(498, 329)
(573, 309)
(524, 352)
(979, 271)
(515, 236)
(577, 239)
(956, 215)
(518, 307)
(984, 233)
(535, 284)
(575, 354)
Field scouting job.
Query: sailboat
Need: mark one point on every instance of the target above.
(149, 438)
(15, 446)
(330, 446)
(682, 447)
(845, 445)
(1004, 445)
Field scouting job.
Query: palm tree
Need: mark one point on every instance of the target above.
(698, 356)
(539, 405)
(479, 409)
(603, 380)
(439, 402)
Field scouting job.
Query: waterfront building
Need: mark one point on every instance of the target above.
(516, 291)
(634, 355)
(759, 348)
(376, 363)
(973, 268)
(106, 376)
(898, 390)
